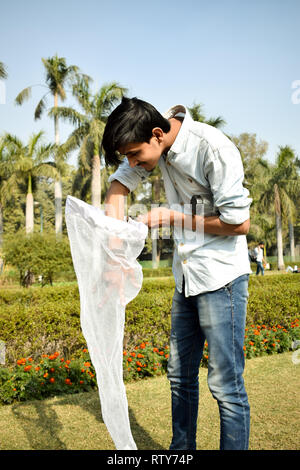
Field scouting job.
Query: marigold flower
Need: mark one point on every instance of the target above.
(85, 350)
(45, 375)
(52, 380)
(37, 368)
(68, 381)
(161, 353)
(166, 356)
(52, 369)
(81, 382)
(87, 364)
(124, 353)
(138, 369)
(129, 359)
(142, 345)
(132, 354)
(27, 368)
(140, 355)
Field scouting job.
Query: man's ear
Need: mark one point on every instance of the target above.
(158, 133)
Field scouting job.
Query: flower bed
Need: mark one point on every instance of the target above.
(54, 375)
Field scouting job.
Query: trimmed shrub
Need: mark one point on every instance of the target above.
(43, 320)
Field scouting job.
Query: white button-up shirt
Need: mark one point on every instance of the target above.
(204, 162)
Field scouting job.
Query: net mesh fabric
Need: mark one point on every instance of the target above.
(104, 252)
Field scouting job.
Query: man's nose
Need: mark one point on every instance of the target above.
(132, 162)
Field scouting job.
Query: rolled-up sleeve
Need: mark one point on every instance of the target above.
(128, 176)
(225, 174)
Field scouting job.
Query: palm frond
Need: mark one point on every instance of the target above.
(67, 114)
(40, 108)
(216, 122)
(23, 96)
(3, 72)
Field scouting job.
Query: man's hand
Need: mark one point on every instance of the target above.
(159, 217)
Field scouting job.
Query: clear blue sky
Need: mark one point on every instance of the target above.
(238, 58)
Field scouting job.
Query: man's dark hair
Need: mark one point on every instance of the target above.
(131, 122)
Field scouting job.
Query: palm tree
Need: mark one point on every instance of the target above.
(58, 76)
(280, 186)
(23, 165)
(88, 134)
(197, 114)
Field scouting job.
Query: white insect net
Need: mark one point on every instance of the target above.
(104, 252)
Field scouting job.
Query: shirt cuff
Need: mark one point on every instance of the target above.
(234, 216)
(130, 183)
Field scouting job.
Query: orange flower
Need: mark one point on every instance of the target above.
(161, 353)
(166, 356)
(85, 350)
(52, 380)
(138, 363)
(142, 345)
(138, 369)
(155, 350)
(21, 361)
(129, 359)
(87, 364)
(132, 354)
(256, 332)
(124, 353)
(37, 368)
(27, 368)
(81, 382)
(45, 375)
(52, 369)
(251, 343)
(68, 382)
(140, 355)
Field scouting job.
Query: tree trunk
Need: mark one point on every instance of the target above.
(280, 260)
(29, 213)
(292, 239)
(58, 183)
(96, 182)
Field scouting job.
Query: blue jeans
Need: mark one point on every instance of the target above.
(259, 268)
(219, 317)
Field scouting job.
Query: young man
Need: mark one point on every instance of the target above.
(260, 261)
(211, 277)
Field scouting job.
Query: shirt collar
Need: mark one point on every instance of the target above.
(179, 143)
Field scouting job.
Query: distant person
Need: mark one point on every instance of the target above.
(260, 261)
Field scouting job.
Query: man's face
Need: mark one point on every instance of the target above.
(143, 154)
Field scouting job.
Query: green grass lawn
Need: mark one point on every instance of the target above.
(74, 421)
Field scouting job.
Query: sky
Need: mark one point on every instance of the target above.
(238, 58)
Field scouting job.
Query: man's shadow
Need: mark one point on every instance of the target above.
(43, 430)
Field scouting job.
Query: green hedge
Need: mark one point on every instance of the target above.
(37, 320)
